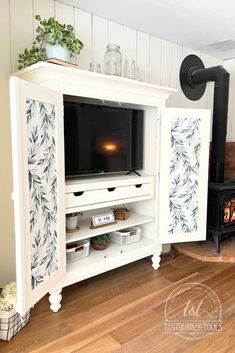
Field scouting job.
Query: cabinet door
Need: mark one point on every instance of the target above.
(38, 183)
(184, 156)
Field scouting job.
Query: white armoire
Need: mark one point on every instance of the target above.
(168, 200)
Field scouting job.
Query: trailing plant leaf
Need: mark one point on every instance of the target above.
(31, 56)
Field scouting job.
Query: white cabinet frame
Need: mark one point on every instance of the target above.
(46, 82)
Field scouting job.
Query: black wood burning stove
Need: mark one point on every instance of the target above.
(221, 211)
(221, 195)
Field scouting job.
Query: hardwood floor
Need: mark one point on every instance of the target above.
(122, 311)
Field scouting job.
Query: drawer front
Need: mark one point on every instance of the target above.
(109, 194)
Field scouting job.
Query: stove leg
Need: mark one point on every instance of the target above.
(217, 240)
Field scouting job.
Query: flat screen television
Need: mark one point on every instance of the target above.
(101, 139)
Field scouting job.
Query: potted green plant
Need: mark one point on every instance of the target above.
(53, 40)
(121, 212)
(72, 221)
(100, 242)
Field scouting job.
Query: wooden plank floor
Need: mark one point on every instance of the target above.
(122, 311)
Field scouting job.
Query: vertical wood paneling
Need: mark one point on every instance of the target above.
(176, 98)
(115, 31)
(100, 39)
(188, 51)
(7, 249)
(115, 36)
(44, 8)
(129, 43)
(21, 13)
(64, 13)
(155, 60)
(143, 55)
(83, 30)
(166, 63)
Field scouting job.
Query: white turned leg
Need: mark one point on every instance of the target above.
(156, 261)
(55, 299)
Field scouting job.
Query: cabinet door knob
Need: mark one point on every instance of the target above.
(78, 193)
(138, 186)
(111, 189)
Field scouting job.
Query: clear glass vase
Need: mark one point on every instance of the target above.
(130, 69)
(113, 60)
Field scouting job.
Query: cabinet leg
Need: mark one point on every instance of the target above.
(55, 299)
(156, 261)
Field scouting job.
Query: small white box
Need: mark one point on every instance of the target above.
(126, 236)
(77, 251)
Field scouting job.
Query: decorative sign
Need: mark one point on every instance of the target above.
(102, 220)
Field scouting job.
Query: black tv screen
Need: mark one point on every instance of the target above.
(101, 139)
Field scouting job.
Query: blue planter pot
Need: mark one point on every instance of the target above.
(57, 51)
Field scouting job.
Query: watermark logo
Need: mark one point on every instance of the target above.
(193, 311)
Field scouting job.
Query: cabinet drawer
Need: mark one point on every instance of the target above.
(82, 198)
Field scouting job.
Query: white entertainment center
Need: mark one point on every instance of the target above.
(43, 85)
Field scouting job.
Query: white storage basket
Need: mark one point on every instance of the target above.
(11, 323)
(77, 251)
(126, 236)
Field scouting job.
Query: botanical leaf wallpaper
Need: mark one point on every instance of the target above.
(42, 190)
(184, 169)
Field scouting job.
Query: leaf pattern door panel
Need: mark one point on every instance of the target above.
(184, 156)
(42, 178)
(37, 136)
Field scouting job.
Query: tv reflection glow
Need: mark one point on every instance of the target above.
(110, 147)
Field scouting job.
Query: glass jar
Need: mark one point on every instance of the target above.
(95, 67)
(130, 69)
(113, 60)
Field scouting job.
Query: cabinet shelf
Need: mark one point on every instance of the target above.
(114, 256)
(85, 232)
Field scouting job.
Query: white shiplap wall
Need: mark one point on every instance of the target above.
(159, 61)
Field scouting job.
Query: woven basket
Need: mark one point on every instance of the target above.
(11, 323)
(99, 246)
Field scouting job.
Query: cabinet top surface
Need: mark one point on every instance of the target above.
(84, 74)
